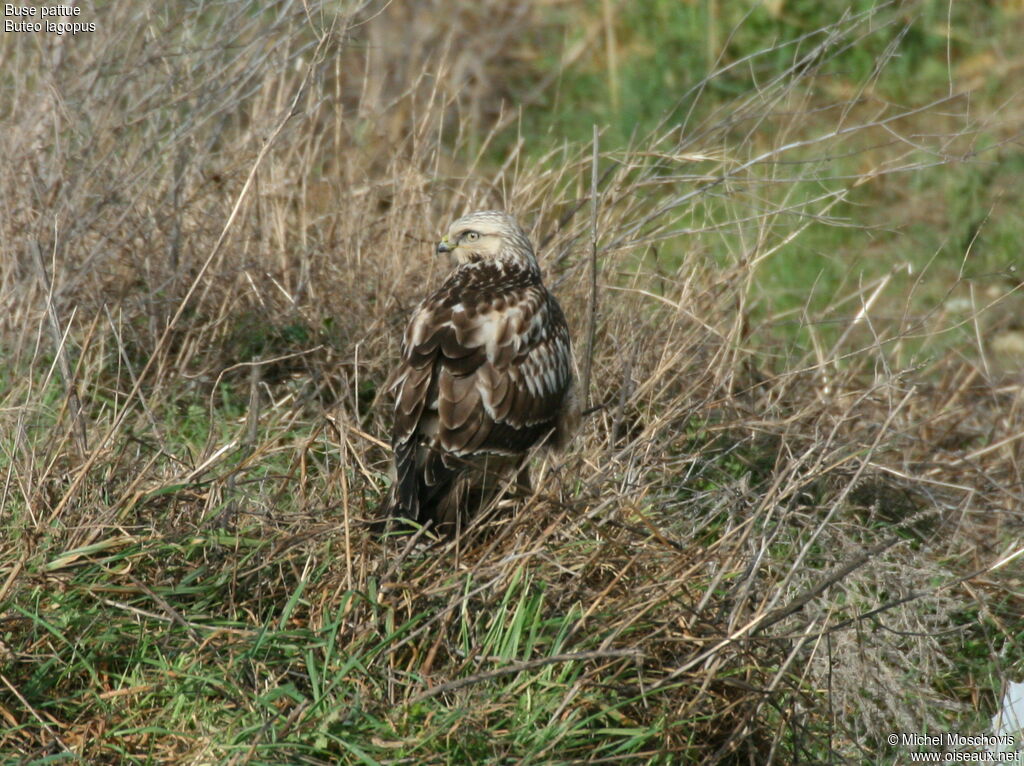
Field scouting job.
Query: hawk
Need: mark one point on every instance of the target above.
(486, 374)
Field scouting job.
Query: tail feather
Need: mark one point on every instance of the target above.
(442, 491)
(422, 489)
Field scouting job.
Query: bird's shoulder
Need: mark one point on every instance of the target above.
(481, 305)
(486, 362)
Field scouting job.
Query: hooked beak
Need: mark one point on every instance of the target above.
(444, 246)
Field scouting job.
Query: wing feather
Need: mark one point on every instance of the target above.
(485, 370)
(458, 399)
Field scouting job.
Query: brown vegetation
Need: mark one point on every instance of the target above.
(216, 224)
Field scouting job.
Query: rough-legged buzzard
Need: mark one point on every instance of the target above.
(486, 374)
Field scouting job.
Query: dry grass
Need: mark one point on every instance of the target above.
(767, 545)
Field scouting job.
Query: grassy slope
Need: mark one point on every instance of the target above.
(777, 506)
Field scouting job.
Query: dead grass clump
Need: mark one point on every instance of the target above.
(217, 228)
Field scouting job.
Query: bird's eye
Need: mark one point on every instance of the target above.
(471, 236)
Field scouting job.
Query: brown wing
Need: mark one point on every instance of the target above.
(483, 372)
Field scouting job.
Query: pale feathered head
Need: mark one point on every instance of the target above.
(488, 235)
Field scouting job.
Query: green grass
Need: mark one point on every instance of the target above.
(297, 681)
(663, 51)
(951, 221)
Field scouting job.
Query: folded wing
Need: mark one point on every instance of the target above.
(486, 374)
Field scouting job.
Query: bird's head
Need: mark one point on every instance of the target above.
(488, 235)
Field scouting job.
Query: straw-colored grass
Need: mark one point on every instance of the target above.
(782, 535)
